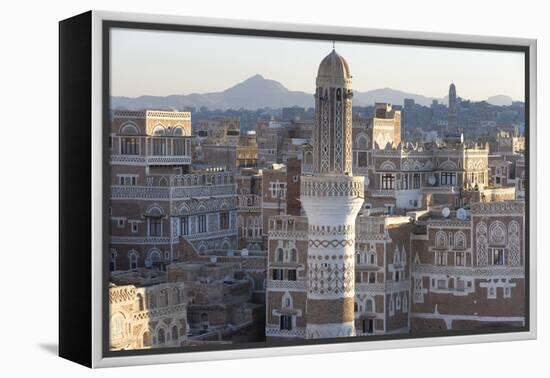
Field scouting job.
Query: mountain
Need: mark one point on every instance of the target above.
(253, 93)
(258, 92)
(500, 100)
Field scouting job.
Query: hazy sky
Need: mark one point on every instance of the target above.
(164, 63)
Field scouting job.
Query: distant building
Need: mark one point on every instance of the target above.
(452, 116)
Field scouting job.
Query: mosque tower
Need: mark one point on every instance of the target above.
(452, 116)
(331, 197)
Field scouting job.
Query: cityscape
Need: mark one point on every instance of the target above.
(327, 217)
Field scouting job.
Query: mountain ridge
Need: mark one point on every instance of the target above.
(258, 92)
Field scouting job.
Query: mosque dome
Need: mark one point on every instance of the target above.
(333, 70)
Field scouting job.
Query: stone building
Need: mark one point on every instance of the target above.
(153, 316)
(156, 197)
(435, 246)
(470, 273)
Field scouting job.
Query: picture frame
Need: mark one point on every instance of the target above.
(86, 176)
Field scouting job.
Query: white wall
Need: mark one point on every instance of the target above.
(28, 90)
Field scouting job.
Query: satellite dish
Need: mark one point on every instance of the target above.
(431, 180)
(446, 212)
(462, 214)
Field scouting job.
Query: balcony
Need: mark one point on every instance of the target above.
(249, 202)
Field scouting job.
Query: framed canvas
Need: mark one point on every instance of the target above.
(233, 189)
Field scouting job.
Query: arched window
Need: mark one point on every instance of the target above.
(129, 129)
(175, 296)
(133, 259)
(146, 339)
(154, 259)
(288, 303)
(112, 265)
(293, 255)
(152, 301)
(175, 333)
(355, 307)
(159, 130)
(280, 254)
(116, 326)
(178, 131)
(440, 240)
(308, 158)
(161, 336)
(362, 142)
(141, 304)
(497, 233)
(163, 298)
(369, 305)
(372, 257)
(338, 94)
(460, 240)
(358, 258)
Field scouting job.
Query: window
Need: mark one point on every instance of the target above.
(155, 226)
(184, 226)
(161, 337)
(117, 325)
(448, 178)
(369, 306)
(368, 325)
(416, 181)
(201, 223)
(396, 275)
(388, 181)
(460, 285)
(112, 265)
(141, 304)
(224, 220)
(441, 284)
(179, 147)
(277, 189)
(133, 260)
(120, 223)
(159, 146)
(128, 180)
(362, 159)
(497, 257)
(459, 258)
(277, 275)
(129, 146)
(405, 182)
(286, 322)
(357, 277)
(292, 274)
(175, 333)
(358, 258)
(134, 227)
(293, 255)
(372, 277)
(280, 254)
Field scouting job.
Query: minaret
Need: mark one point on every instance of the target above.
(452, 115)
(331, 198)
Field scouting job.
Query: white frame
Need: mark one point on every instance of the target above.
(97, 194)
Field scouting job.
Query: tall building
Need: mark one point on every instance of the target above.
(331, 197)
(452, 116)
